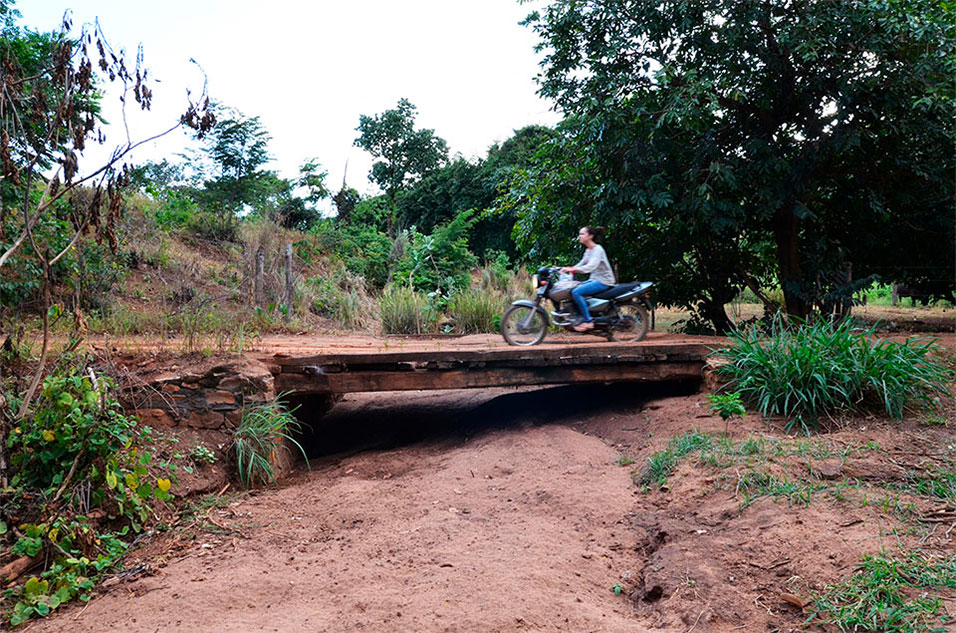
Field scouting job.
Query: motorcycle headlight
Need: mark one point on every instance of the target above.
(534, 280)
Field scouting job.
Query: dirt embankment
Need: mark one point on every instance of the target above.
(515, 510)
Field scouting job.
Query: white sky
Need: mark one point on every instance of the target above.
(309, 69)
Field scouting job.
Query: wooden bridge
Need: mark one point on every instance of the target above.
(451, 366)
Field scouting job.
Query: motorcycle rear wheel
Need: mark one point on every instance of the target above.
(632, 324)
(524, 326)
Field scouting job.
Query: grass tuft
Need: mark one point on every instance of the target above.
(265, 430)
(821, 368)
(886, 594)
(662, 464)
(404, 311)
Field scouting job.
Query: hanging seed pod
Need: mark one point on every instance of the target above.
(69, 167)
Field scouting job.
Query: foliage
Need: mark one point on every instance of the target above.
(439, 262)
(888, 594)
(820, 368)
(723, 143)
(202, 454)
(76, 457)
(363, 249)
(727, 405)
(345, 202)
(340, 294)
(263, 432)
(403, 154)
(462, 184)
(404, 311)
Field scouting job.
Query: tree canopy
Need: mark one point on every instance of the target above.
(725, 141)
(404, 154)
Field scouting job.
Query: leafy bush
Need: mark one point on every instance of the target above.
(816, 369)
(176, 210)
(726, 405)
(79, 464)
(364, 249)
(214, 227)
(404, 311)
(441, 261)
(263, 432)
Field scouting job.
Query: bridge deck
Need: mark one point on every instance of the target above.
(458, 364)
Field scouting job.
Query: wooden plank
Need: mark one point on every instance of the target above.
(512, 357)
(349, 382)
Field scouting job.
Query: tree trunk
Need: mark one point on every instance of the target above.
(289, 286)
(259, 281)
(785, 228)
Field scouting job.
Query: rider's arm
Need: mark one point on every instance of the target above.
(579, 267)
(592, 259)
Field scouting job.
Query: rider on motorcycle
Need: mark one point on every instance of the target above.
(601, 276)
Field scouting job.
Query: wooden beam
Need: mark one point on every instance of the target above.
(568, 355)
(349, 382)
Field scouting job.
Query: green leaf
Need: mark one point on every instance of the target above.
(36, 587)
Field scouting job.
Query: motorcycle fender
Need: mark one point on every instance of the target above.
(539, 309)
(630, 296)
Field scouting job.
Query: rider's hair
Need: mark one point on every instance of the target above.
(597, 232)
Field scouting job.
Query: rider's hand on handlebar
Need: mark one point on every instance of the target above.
(567, 269)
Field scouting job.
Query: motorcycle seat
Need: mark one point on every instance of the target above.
(619, 289)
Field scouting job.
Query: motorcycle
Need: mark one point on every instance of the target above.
(619, 313)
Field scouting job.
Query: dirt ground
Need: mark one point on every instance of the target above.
(513, 510)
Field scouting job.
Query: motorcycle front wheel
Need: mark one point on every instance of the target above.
(523, 325)
(632, 324)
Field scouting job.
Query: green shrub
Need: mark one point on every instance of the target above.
(215, 227)
(76, 457)
(363, 249)
(263, 432)
(440, 262)
(175, 210)
(820, 368)
(404, 311)
(726, 405)
(474, 311)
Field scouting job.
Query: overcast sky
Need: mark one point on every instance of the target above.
(308, 70)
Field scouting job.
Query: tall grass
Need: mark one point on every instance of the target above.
(263, 432)
(404, 311)
(340, 295)
(821, 368)
(475, 311)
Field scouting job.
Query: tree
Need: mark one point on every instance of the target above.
(461, 185)
(345, 202)
(300, 212)
(49, 110)
(813, 133)
(404, 154)
(237, 146)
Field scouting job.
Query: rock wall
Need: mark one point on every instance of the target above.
(208, 395)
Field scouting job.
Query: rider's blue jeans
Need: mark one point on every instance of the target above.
(580, 294)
